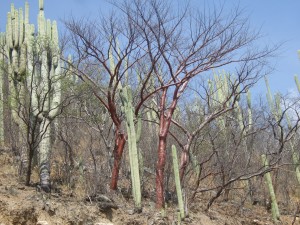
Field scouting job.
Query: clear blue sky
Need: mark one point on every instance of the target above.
(279, 21)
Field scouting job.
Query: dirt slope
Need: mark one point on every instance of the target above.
(21, 205)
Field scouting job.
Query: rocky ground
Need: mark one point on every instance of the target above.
(22, 205)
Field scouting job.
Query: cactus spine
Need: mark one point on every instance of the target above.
(177, 182)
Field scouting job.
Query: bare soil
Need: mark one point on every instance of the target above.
(23, 205)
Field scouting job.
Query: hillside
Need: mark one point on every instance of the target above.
(22, 205)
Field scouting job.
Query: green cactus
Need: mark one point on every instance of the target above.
(132, 133)
(276, 110)
(15, 51)
(133, 137)
(297, 82)
(275, 209)
(177, 182)
(2, 79)
(35, 69)
(249, 110)
(295, 155)
(49, 78)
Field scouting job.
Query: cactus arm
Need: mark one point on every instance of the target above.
(249, 110)
(297, 81)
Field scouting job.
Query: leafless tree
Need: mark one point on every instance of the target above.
(185, 45)
(169, 49)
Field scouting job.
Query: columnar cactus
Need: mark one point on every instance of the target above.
(2, 74)
(15, 51)
(35, 70)
(295, 155)
(275, 109)
(133, 137)
(49, 87)
(275, 209)
(177, 182)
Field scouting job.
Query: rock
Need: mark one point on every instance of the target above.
(42, 223)
(104, 224)
(257, 222)
(104, 206)
(104, 203)
(130, 211)
(134, 211)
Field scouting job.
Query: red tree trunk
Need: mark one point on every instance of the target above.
(118, 151)
(160, 167)
(164, 126)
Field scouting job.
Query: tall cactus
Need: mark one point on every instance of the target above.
(295, 155)
(177, 182)
(35, 70)
(274, 205)
(50, 84)
(15, 50)
(275, 109)
(2, 74)
(133, 137)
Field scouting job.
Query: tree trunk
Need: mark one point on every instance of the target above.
(160, 167)
(118, 151)
(44, 156)
(164, 126)
(28, 172)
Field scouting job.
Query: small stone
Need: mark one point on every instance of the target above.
(130, 211)
(104, 224)
(42, 223)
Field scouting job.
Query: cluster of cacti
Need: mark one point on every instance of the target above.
(35, 73)
(219, 88)
(220, 93)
